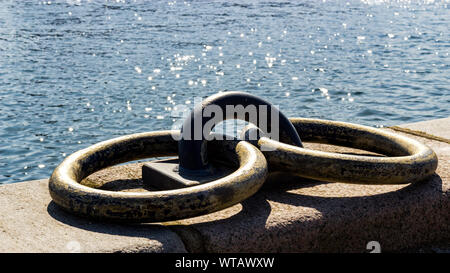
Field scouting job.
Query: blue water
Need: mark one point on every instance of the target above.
(73, 73)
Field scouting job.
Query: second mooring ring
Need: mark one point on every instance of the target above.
(406, 161)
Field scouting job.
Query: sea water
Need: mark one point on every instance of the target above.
(74, 73)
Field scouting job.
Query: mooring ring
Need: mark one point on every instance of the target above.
(406, 161)
(67, 192)
(192, 149)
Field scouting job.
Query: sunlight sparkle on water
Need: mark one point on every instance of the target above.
(384, 56)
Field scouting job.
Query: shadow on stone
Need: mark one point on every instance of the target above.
(335, 219)
(148, 231)
(126, 185)
(343, 220)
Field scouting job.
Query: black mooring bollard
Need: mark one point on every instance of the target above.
(192, 166)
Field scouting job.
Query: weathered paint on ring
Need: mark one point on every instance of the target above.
(67, 192)
(406, 161)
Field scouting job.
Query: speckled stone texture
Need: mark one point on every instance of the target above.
(30, 222)
(289, 214)
(437, 127)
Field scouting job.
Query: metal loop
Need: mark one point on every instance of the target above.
(67, 192)
(192, 145)
(407, 160)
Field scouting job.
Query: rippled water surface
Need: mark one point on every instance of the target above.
(73, 73)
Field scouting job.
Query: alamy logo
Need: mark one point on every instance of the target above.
(374, 246)
(73, 247)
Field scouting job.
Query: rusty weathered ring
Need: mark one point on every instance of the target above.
(67, 192)
(407, 160)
